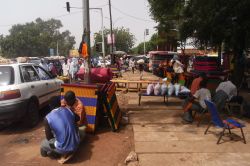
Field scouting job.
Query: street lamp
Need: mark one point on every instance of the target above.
(111, 34)
(146, 32)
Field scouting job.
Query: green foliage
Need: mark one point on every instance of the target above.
(149, 46)
(35, 39)
(169, 15)
(124, 39)
(212, 23)
(217, 23)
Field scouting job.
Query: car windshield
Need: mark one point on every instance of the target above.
(6, 75)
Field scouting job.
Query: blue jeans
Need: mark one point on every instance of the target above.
(48, 147)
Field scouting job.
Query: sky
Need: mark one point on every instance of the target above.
(132, 14)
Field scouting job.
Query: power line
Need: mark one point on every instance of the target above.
(126, 14)
(101, 6)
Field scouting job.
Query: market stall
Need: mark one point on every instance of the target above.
(213, 70)
(99, 100)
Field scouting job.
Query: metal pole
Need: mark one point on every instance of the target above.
(103, 45)
(57, 53)
(86, 32)
(57, 47)
(144, 42)
(111, 33)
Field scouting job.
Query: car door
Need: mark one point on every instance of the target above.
(52, 86)
(33, 84)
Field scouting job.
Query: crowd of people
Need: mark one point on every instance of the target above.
(69, 68)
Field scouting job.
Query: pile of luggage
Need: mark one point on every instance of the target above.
(4, 60)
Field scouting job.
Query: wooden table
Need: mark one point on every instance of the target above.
(126, 84)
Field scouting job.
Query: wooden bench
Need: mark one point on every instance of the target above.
(143, 93)
(115, 71)
(122, 82)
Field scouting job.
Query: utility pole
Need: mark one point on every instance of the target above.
(57, 52)
(146, 32)
(86, 34)
(111, 35)
(144, 42)
(103, 45)
(57, 46)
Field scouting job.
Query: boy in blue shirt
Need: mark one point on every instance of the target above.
(62, 135)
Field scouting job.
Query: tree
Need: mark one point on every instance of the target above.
(151, 45)
(169, 15)
(35, 39)
(223, 22)
(212, 23)
(124, 39)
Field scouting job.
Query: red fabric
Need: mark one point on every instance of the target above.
(97, 75)
(205, 68)
(101, 75)
(206, 63)
(80, 73)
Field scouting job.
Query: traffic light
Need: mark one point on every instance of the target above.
(68, 6)
(147, 32)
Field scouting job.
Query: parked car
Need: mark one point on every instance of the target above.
(25, 88)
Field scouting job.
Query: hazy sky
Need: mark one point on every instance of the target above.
(132, 14)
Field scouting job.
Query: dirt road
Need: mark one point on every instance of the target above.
(20, 146)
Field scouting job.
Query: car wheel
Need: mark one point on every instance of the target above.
(32, 116)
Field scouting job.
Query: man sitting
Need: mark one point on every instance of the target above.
(225, 91)
(62, 135)
(75, 105)
(196, 83)
(197, 102)
(195, 86)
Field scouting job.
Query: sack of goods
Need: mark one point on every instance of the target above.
(157, 89)
(4, 61)
(141, 61)
(164, 89)
(177, 89)
(22, 59)
(171, 89)
(150, 89)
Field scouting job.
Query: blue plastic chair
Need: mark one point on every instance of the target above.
(225, 124)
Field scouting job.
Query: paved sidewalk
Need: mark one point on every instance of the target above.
(161, 139)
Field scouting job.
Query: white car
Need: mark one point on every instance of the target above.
(24, 89)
